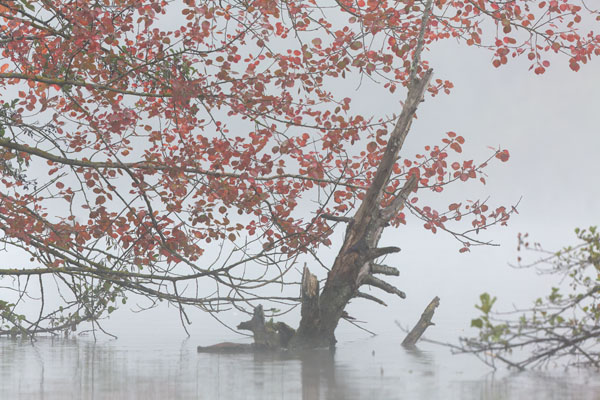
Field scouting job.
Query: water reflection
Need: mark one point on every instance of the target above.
(419, 356)
(369, 369)
(317, 366)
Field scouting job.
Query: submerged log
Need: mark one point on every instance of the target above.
(227, 347)
(264, 336)
(424, 322)
(269, 336)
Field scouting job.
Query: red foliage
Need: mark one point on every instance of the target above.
(169, 125)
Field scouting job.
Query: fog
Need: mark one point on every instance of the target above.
(550, 125)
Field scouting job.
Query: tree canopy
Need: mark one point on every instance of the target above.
(135, 135)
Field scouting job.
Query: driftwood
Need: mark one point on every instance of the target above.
(227, 347)
(277, 336)
(424, 322)
(269, 336)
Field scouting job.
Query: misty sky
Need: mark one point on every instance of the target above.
(550, 126)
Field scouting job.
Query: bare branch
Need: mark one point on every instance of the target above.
(384, 269)
(370, 297)
(378, 283)
(395, 143)
(381, 251)
(420, 41)
(336, 218)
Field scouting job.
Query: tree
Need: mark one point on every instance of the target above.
(561, 327)
(131, 144)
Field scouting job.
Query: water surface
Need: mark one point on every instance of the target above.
(370, 368)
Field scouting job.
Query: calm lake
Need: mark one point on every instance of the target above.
(367, 368)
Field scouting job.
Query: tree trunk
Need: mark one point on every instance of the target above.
(355, 264)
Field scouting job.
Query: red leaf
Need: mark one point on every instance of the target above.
(456, 147)
(503, 155)
(574, 66)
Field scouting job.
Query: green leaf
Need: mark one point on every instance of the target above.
(477, 323)
(356, 45)
(486, 303)
(28, 5)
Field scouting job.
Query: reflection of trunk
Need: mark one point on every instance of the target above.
(318, 369)
(354, 265)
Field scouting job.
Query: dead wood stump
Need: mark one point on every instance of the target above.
(424, 322)
(268, 336)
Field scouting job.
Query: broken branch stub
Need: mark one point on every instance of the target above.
(383, 285)
(384, 270)
(370, 297)
(264, 337)
(424, 322)
(310, 295)
(308, 333)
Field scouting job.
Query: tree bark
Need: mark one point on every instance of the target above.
(310, 312)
